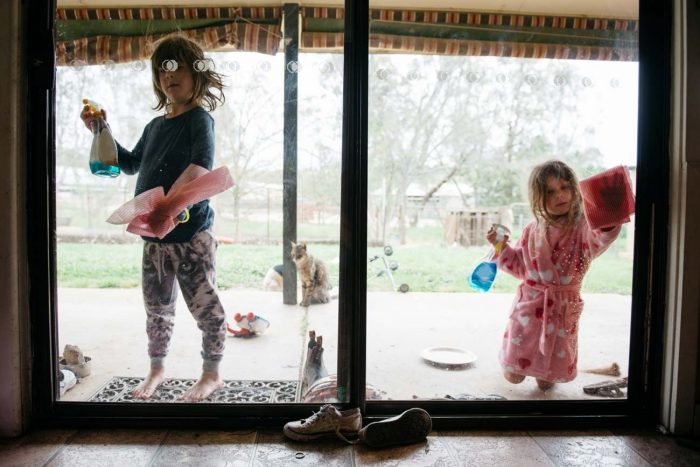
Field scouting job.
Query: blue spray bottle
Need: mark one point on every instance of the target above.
(103, 152)
(484, 273)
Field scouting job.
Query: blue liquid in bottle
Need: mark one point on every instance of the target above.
(482, 276)
(103, 153)
(104, 170)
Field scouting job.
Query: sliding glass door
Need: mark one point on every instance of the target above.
(371, 149)
(464, 102)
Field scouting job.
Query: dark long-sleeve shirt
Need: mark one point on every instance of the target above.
(166, 148)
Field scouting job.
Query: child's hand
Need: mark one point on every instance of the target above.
(89, 116)
(156, 218)
(491, 237)
(159, 217)
(612, 192)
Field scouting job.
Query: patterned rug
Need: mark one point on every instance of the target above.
(119, 389)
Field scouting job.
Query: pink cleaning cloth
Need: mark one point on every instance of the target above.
(152, 213)
(608, 199)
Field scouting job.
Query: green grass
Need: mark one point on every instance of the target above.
(423, 267)
(94, 265)
(273, 230)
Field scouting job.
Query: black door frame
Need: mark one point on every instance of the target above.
(642, 404)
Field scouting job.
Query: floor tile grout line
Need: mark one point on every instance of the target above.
(449, 447)
(255, 449)
(551, 459)
(61, 447)
(630, 446)
(160, 448)
(614, 435)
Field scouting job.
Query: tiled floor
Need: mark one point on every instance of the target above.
(94, 448)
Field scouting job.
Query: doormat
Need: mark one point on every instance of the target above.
(119, 389)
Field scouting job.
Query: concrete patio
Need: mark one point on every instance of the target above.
(109, 326)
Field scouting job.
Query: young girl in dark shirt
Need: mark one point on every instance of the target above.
(178, 144)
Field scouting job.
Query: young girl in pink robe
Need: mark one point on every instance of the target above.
(551, 258)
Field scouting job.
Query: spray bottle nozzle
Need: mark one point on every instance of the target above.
(501, 232)
(94, 107)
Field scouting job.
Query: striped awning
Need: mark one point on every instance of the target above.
(479, 33)
(97, 35)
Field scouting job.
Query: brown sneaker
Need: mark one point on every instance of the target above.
(412, 426)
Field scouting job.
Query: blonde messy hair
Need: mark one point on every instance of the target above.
(538, 191)
(208, 84)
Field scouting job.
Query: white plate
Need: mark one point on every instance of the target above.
(448, 357)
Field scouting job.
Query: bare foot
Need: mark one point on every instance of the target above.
(204, 387)
(513, 378)
(146, 389)
(544, 385)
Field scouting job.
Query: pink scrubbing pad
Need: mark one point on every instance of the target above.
(608, 199)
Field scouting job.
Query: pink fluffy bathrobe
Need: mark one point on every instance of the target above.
(541, 338)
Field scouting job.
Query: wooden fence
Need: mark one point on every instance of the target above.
(468, 227)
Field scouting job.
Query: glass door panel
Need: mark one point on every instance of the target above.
(464, 102)
(277, 134)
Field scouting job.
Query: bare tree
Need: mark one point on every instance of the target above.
(474, 121)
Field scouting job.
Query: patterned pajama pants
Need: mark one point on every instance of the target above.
(193, 265)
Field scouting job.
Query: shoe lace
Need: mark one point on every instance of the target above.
(328, 412)
(341, 436)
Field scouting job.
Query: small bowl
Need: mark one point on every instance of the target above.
(81, 370)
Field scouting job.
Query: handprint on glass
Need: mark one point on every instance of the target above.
(607, 198)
